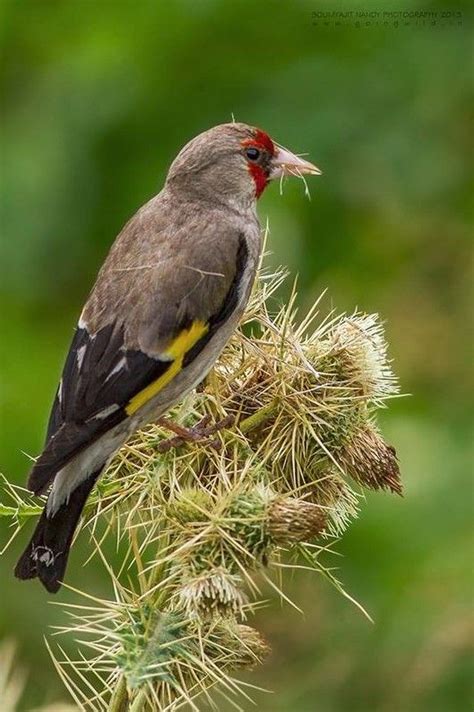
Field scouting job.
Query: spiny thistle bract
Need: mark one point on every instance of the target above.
(287, 418)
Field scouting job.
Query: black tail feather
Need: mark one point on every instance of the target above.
(47, 553)
(66, 443)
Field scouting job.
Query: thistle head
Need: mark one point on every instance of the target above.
(370, 461)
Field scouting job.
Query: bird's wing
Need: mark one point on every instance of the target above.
(163, 318)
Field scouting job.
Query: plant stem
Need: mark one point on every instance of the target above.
(23, 510)
(119, 700)
(139, 701)
(258, 418)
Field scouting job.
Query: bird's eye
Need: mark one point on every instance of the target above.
(252, 153)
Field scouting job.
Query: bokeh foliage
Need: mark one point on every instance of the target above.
(97, 99)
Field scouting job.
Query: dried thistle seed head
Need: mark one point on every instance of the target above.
(239, 646)
(360, 345)
(370, 461)
(213, 592)
(254, 647)
(291, 520)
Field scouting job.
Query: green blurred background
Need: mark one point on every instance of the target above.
(98, 97)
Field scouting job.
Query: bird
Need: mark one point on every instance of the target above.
(169, 295)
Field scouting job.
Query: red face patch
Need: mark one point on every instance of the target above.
(263, 142)
(260, 179)
(262, 139)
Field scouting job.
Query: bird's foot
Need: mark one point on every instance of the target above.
(202, 431)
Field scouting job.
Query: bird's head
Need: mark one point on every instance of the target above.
(233, 162)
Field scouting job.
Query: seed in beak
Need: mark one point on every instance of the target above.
(286, 163)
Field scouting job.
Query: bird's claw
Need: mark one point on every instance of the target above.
(202, 431)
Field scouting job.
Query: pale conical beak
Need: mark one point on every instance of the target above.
(286, 163)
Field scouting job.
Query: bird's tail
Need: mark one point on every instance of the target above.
(47, 553)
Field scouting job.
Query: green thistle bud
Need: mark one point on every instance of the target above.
(150, 643)
(292, 520)
(245, 522)
(192, 505)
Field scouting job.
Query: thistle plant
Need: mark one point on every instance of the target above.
(288, 442)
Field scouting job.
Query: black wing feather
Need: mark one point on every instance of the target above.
(88, 386)
(93, 381)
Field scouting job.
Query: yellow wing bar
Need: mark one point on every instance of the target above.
(175, 352)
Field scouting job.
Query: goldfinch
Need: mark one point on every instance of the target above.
(167, 299)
